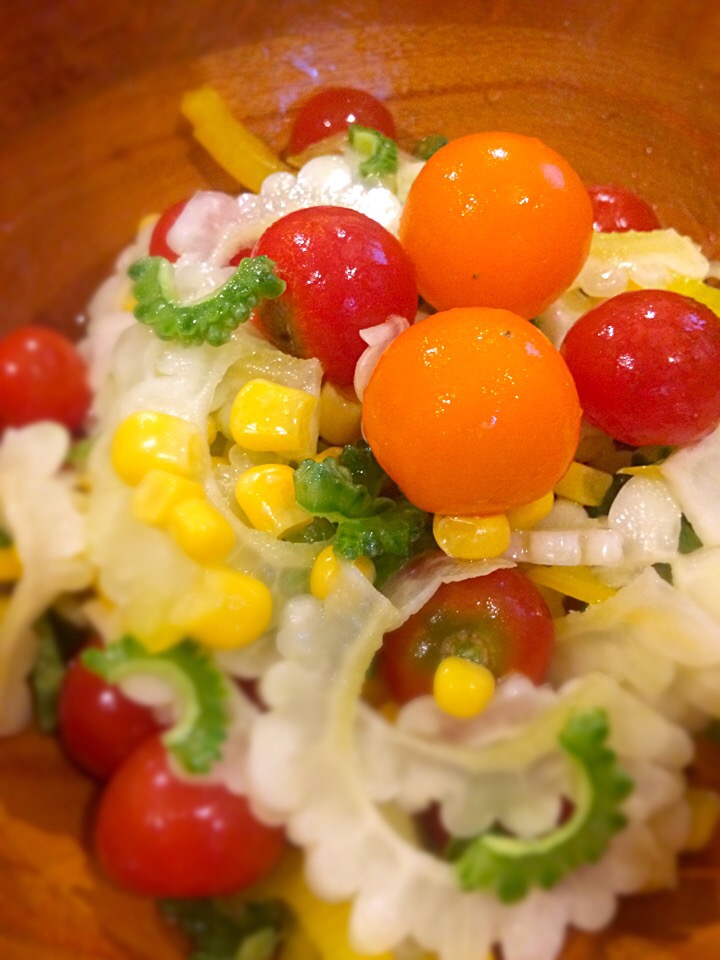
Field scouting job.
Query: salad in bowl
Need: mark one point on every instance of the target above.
(365, 546)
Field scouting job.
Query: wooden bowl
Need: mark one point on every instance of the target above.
(93, 139)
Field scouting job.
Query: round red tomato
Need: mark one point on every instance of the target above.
(99, 725)
(344, 272)
(499, 620)
(164, 837)
(332, 110)
(616, 210)
(42, 377)
(645, 364)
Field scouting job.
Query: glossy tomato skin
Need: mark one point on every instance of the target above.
(99, 726)
(499, 620)
(42, 377)
(617, 210)
(496, 220)
(344, 272)
(164, 837)
(159, 246)
(645, 364)
(332, 110)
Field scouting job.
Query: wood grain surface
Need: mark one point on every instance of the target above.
(91, 139)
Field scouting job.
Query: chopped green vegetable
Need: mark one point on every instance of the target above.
(47, 676)
(211, 320)
(511, 867)
(252, 931)
(79, 453)
(379, 153)
(197, 736)
(326, 489)
(5, 539)
(688, 540)
(344, 491)
(316, 532)
(429, 145)
(363, 467)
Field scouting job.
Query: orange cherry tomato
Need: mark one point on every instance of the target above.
(496, 220)
(472, 411)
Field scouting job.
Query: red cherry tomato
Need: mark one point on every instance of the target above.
(616, 210)
(344, 272)
(159, 246)
(645, 365)
(42, 377)
(99, 726)
(164, 837)
(331, 110)
(499, 620)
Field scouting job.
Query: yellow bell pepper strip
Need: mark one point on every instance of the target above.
(238, 151)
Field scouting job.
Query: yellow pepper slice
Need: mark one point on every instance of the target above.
(238, 151)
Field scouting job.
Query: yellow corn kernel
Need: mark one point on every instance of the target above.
(268, 416)
(243, 155)
(462, 687)
(326, 568)
(704, 813)
(266, 496)
(148, 440)
(328, 452)
(529, 514)
(581, 582)
(201, 530)
(158, 493)
(212, 430)
(225, 609)
(10, 565)
(584, 485)
(472, 538)
(340, 415)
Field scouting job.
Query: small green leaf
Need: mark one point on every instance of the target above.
(211, 320)
(379, 153)
(326, 489)
(196, 738)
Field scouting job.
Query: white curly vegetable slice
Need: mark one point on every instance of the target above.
(307, 764)
(40, 511)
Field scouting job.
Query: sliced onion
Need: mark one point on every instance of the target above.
(377, 339)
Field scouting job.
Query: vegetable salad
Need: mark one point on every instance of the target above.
(366, 547)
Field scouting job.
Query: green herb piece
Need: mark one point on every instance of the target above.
(392, 531)
(511, 867)
(326, 489)
(47, 676)
(6, 540)
(429, 145)
(363, 467)
(379, 153)
(688, 540)
(211, 320)
(618, 482)
(316, 532)
(196, 738)
(252, 931)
